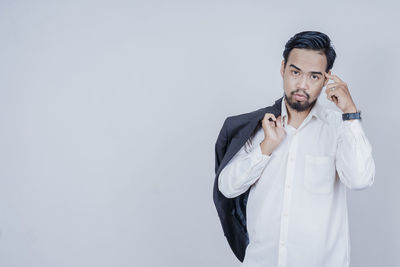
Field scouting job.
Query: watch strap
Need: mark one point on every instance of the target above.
(352, 116)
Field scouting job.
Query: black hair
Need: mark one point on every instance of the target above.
(312, 40)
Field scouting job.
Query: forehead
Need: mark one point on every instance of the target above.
(307, 60)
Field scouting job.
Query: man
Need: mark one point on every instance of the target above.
(300, 164)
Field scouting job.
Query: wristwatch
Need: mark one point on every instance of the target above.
(351, 116)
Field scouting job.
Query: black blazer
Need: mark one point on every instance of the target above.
(234, 133)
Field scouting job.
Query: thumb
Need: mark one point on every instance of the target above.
(279, 122)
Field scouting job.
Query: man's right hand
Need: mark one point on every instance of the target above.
(274, 133)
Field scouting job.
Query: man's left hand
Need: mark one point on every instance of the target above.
(340, 95)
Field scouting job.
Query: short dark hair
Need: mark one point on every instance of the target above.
(312, 40)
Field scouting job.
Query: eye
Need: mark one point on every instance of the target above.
(314, 77)
(295, 72)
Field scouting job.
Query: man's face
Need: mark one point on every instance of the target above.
(303, 75)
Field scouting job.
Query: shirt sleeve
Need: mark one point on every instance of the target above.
(354, 162)
(243, 170)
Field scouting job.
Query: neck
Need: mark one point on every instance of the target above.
(295, 118)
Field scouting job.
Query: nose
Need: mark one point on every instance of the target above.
(302, 83)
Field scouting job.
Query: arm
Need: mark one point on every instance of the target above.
(354, 162)
(243, 170)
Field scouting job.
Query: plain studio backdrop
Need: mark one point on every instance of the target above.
(110, 110)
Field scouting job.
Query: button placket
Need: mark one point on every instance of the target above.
(286, 201)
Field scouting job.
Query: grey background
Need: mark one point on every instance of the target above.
(110, 110)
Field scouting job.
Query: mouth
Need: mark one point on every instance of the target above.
(300, 97)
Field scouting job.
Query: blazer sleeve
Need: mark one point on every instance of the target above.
(354, 162)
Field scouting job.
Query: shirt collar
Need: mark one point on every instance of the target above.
(317, 111)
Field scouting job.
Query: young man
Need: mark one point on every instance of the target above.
(300, 164)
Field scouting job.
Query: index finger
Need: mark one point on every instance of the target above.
(269, 116)
(333, 77)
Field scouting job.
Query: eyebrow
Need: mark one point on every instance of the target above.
(312, 72)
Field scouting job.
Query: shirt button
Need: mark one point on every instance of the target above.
(288, 186)
(285, 214)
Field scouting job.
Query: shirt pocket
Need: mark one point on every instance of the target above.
(319, 174)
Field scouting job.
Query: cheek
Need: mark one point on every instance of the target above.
(321, 83)
(317, 85)
(289, 87)
(290, 82)
(317, 92)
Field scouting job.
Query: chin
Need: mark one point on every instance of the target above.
(299, 105)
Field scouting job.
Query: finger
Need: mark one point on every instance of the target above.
(279, 121)
(268, 116)
(329, 94)
(337, 88)
(335, 99)
(268, 125)
(330, 85)
(268, 121)
(333, 77)
(332, 96)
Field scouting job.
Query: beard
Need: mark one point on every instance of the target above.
(299, 106)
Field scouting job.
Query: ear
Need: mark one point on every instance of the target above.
(326, 79)
(282, 67)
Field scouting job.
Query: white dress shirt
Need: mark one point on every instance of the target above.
(297, 207)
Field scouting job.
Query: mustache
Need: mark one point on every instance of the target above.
(298, 91)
